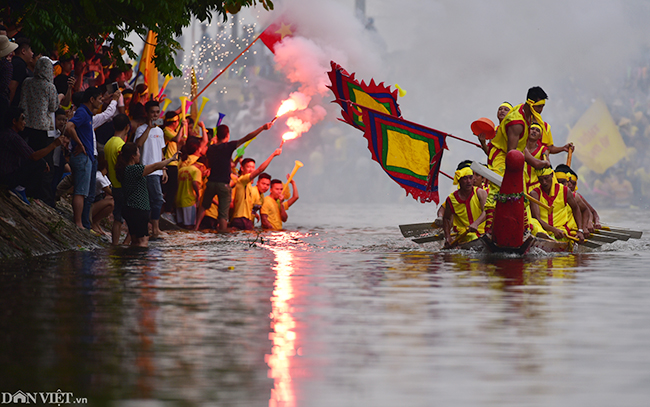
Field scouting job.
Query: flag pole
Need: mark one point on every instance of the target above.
(437, 131)
(228, 66)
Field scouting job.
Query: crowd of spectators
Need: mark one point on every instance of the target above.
(627, 183)
(72, 127)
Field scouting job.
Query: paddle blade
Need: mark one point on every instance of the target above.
(417, 229)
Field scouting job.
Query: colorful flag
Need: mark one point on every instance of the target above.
(147, 67)
(408, 152)
(372, 96)
(598, 143)
(276, 33)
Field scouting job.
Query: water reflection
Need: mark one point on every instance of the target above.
(283, 326)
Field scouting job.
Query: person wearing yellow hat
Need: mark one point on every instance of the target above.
(464, 214)
(559, 221)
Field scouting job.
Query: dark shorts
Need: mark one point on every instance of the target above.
(209, 223)
(223, 193)
(242, 224)
(137, 220)
(118, 197)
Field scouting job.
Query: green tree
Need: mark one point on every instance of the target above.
(80, 24)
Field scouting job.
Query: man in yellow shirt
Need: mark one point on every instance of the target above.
(464, 212)
(243, 195)
(112, 148)
(564, 217)
(512, 134)
(274, 209)
(257, 195)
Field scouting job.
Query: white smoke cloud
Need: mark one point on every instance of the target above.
(459, 60)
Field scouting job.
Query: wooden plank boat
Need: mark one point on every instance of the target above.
(509, 233)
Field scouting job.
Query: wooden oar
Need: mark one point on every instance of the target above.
(634, 234)
(586, 243)
(457, 239)
(602, 238)
(440, 236)
(618, 236)
(590, 244)
(417, 229)
(568, 157)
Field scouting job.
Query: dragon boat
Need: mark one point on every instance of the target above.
(509, 232)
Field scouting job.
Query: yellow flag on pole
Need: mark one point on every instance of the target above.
(147, 67)
(598, 143)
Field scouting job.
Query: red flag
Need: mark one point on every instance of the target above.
(276, 33)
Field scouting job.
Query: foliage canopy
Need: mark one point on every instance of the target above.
(81, 24)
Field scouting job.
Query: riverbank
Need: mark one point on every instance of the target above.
(37, 229)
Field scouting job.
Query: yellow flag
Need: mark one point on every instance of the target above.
(598, 143)
(147, 67)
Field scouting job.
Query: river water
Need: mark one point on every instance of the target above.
(339, 311)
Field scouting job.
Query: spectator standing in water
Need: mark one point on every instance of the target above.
(133, 175)
(151, 140)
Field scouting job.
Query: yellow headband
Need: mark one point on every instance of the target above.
(508, 105)
(463, 172)
(561, 175)
(538, 103)
(536, 116)
(538, 126)
(173, 119)
(572, 177)
(544, 171)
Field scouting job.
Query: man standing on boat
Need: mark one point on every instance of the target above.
(512, 134)
(559, 220)
(464, 210)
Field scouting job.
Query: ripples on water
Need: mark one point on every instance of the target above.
(333, 313)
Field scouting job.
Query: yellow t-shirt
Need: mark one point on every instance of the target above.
(112, 149)
(171, 147)
(169, 133)
(271, 209)
(256, 197)
(243, 199)
(186, 176)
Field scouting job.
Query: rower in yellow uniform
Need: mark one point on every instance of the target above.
(477, 180)
(464, 216)
(540, 152)
(559, 221)
(537, 150)
(566, 176)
